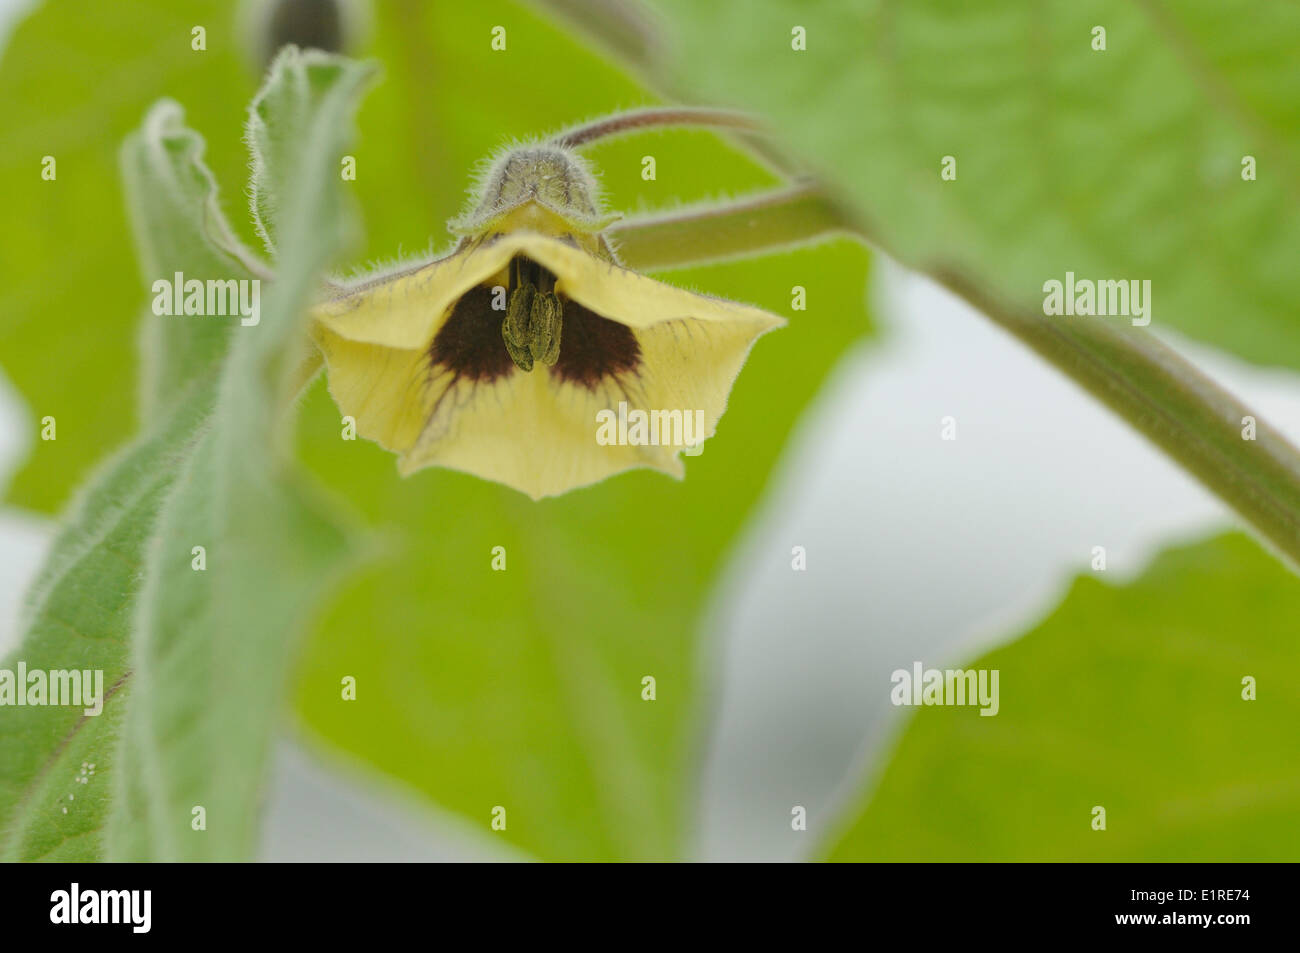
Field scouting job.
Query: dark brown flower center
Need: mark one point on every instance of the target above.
(482, 340)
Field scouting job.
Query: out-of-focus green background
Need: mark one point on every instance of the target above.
(523, 688)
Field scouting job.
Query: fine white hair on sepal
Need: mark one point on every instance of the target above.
(378, 269)
(532, 168)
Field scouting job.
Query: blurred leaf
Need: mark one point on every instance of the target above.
(81, 604)
(1124, 163)
(173, 200)
(75, 79)
(1128, 697)
(298, 124)
(79, 617)
(211, 647)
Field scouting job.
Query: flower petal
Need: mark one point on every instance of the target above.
(536, 432)
(630, 298)
(406, 310)
(382, 388)
(528, 433)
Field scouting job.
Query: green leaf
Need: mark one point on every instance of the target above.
(284, 115)
(1116, 164)
(1127, 697)
(82, 604)
(179, 227)
(212, 646)
(80, 607)
(78, 618)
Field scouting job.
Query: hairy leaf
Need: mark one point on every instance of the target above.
(212, 645)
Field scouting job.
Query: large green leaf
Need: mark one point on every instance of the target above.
(212, 644)
(81, 605)
(272, 548)
(1117, 164)
(79, 618)
(1130, 698)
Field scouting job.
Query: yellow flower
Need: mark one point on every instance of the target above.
(522, 355)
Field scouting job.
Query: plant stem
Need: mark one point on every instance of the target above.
(637, 120)
(758, 225)
(748, 129)
(1128, 369)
